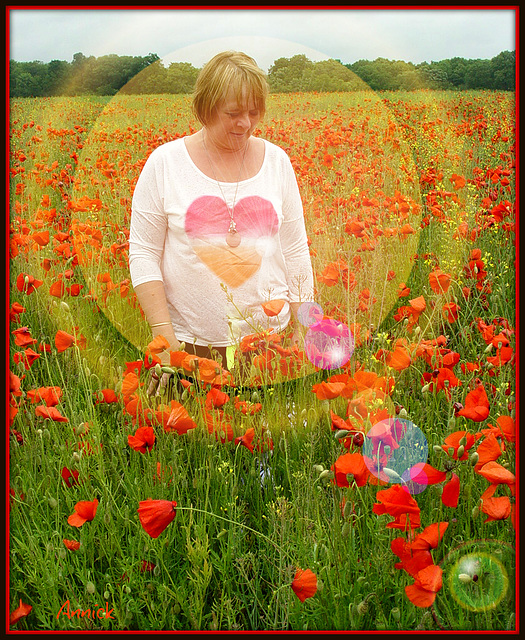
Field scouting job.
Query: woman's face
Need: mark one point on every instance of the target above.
(233, 123)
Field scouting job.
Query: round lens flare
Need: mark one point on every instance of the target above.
(394, 451)
(477, 579)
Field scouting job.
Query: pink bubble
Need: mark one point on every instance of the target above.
(329, 344)
(309, 313)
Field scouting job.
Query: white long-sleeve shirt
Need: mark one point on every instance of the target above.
(178, 233)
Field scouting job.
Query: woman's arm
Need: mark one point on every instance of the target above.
(152, 299)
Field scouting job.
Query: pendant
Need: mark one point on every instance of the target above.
(233, 239)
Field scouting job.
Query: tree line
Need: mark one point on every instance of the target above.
(109, 74)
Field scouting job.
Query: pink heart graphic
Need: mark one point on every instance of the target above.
(207, 223)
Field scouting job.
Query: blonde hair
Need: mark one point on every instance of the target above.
(228, 71)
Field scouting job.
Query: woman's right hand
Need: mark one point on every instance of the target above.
(159, 380)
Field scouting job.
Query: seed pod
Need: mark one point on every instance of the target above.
(362, 608)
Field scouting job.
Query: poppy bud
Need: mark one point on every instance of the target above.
(167, 370)
(158, 369)
(474, 458)
(52, 503)
(464, 578)
(327, 474)
(488, 348)
(345, 530)
(463, 441)
(64, 306)
(475, 512)
(425, 388)
(90, 588)
(403, 413)
(341, 433)
(461, 451)
(396, 614)
(318, 467)
(438, 448)
(358, 439)
(348, 509)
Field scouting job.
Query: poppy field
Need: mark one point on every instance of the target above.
(363, 480)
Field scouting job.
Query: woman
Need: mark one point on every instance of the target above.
(217, 226)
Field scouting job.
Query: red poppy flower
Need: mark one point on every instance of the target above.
(350, 463)
(496, 473)
(49, 395)
(215, 398)
(430, 537)
(27, 283)
(450, 494)
(304, 584)
(23, 337)
(328, 390)
(130, 384)
(247, 408)
(155, 515)
(70, 477)
(450, 312)
(452, 443)
(179, 420)
(476, 405)
(20, 612)
(52, 413)
(488, 450)
(247, 439)
(496, 508)
(106, 395)
(273, 307)
(26, 357)
(143, 440)
(428, 582)
(439, 281)
(84, 512)
(397, 502)
(15, 310)
(72, 545)
(63, 340)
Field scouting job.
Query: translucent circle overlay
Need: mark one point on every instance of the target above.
(309, 313)
(329, 344)
(394, 450)
(477, 588)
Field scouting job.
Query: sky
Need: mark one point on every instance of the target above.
(194, 35)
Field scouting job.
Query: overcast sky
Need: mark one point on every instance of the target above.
(194, 35)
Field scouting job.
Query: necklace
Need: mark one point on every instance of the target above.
(233, 238)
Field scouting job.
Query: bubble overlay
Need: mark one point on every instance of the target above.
(329, 344)
(393, 451)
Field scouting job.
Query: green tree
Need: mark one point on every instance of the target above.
(503, 70)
